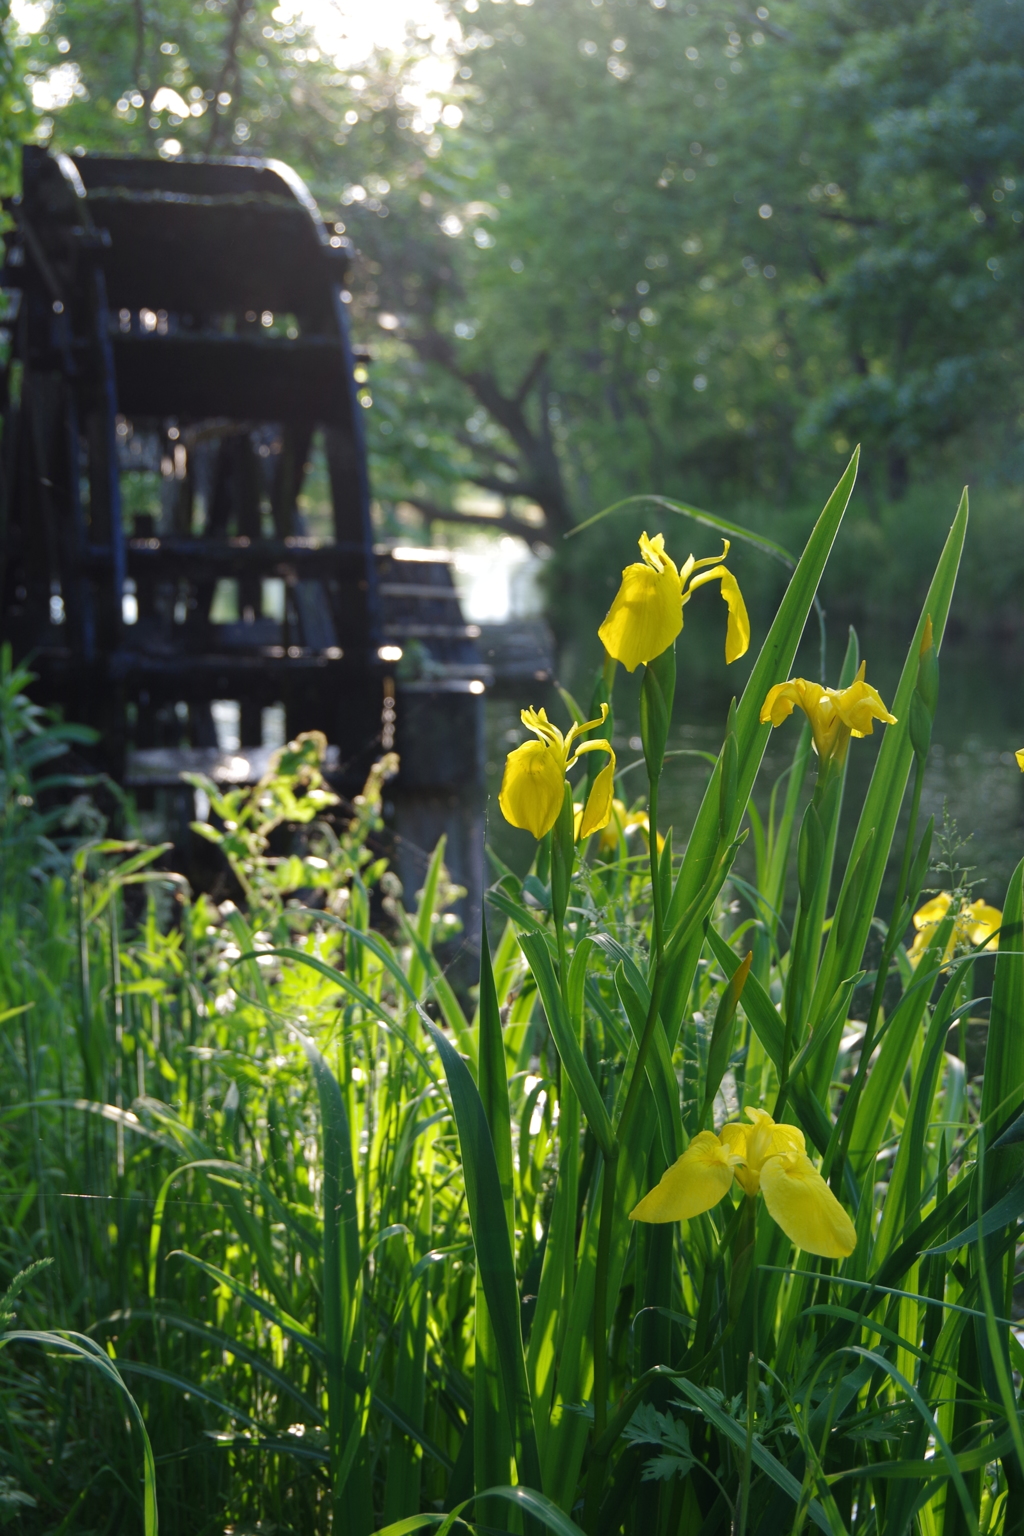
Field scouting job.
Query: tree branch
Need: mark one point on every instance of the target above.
(227, 71)
(531, 376)
(505, 522)
(540, 475)
(494, 454)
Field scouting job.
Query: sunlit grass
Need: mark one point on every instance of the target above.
(360, 1248)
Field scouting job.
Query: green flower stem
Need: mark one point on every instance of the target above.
(563, 959)
(659, 916)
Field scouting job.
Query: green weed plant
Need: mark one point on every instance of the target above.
(360, 1249)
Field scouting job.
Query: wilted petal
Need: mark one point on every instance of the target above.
(533, 787)
(805, 1208)
(695, 1182)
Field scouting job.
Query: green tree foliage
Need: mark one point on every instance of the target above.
(717, 241)
(670, 247)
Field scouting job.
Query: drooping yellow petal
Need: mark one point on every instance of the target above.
(1020, 759)
(737, 634)
(781, 700)
(805, 1208)
(533, 787)
(695, 1182)
(579, 729)
(647, 613)
(598, 810)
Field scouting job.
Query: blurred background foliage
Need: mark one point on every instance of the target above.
(629, 245)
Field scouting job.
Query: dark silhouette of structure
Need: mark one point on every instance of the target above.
(180, 373)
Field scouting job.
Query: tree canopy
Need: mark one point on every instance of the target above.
(635, 244)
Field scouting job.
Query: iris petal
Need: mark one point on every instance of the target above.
(859, 705)
(646, 615)
(598, 810)
(734, 1137)
(737, 634)
(977, 923)
(533, 787)
(829, 710)
(766, 1139)
(805, 1208)
(695, 1182)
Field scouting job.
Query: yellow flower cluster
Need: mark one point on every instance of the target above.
(835, 714)
(642, 623)
(762, 1157)
(974, 925)
(533, 786)
(647, 613)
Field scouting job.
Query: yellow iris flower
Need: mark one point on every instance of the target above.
(835, 714)
(621, 823)
(639, 820)
(647, 613)
(765, 1157)
(533, 786)
(1020, 759)
(974, 925)
(617, 821)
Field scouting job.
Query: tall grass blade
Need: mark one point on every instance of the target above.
(888, 782)
(493, 1251)
(341, 1264)
(81, 1348)
(492, 1435)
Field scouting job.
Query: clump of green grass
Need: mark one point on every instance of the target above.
(361, 1249)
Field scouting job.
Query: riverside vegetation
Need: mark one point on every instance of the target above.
(692, 1222)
